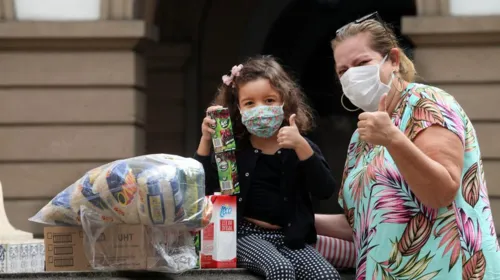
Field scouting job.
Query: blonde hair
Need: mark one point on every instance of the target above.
(383, 40)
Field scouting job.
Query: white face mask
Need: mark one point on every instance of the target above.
(363, 87)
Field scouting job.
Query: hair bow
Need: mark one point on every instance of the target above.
(235, 72)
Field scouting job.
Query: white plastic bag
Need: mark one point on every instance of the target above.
(154, 190)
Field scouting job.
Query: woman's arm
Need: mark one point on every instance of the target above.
(334, 226)
(206, 158)
(316, 171)
(431, 164)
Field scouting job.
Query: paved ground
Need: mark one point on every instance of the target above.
(232, 274)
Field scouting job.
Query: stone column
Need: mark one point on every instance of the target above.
(72, 98)
(167, 106)
(460, 55)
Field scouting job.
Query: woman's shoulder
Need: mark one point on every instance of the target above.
(426, 98)
(428, 105)
(419, 92)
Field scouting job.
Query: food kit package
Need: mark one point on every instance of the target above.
(153, 190)
(228, 172)
(223, 138)
(218, 240)
(224, 147)
(135, 213)
(85, 194)
(132, 247)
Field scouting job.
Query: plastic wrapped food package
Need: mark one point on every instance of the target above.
(154, 190)
(86, 194)
(117, 187)
(59, 209)
(159, 199)
(133, 247)
(193, 188)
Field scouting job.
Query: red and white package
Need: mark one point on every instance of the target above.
(218, 239)
(207, 246)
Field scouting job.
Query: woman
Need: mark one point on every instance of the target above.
(413, 191)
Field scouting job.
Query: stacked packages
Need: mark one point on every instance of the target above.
(217, 242)
(225, 147)
(164, 193)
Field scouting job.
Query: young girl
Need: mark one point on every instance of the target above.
(278, 171)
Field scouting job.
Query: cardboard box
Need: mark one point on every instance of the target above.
(218, 239)
(118, 247)
(22, 257)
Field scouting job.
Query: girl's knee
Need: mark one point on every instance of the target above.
(281, 270)
(327, 273)
(317, 272)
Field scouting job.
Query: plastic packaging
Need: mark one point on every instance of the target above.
(228, 172)
(136, 213)
(136, 247)
(224, 148)
(223, 138)
(154, 190)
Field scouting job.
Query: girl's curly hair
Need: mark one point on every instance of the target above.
(266, 67)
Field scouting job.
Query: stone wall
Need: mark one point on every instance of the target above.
(72, 98)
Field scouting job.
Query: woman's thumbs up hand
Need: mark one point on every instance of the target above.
(376, 128)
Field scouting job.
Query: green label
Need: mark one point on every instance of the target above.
(223, 138)
(228, 172)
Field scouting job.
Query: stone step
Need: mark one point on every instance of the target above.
(208, 274)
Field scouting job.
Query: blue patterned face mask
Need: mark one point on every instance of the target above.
(263, 121)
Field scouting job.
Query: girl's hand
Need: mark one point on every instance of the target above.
(206, 125)
(289, 136)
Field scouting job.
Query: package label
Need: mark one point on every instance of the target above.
(218, 240)
(223, 138)
(228, 173)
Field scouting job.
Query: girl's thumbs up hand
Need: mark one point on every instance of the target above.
(289, 136)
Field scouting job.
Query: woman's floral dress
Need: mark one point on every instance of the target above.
(396, 236)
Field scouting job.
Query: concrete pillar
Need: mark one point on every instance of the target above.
(167, 110)
(72, 97)
(460, 55)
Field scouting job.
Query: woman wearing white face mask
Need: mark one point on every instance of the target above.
(414, 193)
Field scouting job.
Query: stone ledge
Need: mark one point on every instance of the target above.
(75, 35)
(194, 274)
(210, 274)
(448, 30)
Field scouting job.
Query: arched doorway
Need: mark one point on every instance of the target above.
(300, 37)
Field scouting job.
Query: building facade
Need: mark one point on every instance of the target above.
(79, 94)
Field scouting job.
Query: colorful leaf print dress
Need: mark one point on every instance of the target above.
(396, 236)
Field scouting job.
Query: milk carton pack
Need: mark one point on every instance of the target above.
(218, 239)
(206, 238)
(224, 254)
(22, 257)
